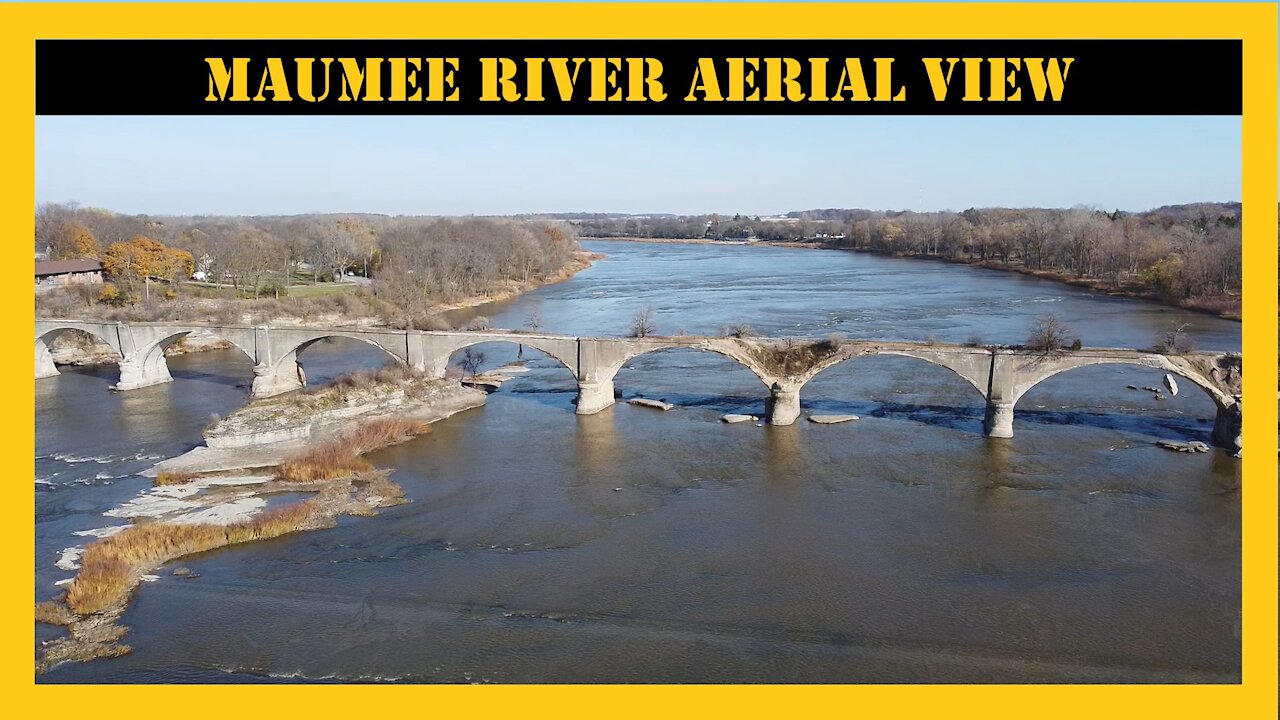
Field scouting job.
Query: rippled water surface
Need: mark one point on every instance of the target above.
(641, 546)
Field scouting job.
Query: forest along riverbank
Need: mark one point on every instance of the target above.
(1226, 307)
(218, 494)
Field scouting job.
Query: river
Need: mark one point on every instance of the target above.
(642, 546)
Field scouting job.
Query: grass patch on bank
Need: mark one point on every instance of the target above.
(173, 478)
(110, 568)
(340, 457)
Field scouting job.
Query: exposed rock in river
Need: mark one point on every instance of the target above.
(1195, 446)
(655, 404)
(732, 418)
(268, 430)
(831, 419)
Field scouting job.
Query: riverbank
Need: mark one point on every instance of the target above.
(220, 494)
(582, 259)
(1226, 307)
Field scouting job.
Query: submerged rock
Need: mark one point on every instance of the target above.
(655, 404)
(733, 418)
(831, 419)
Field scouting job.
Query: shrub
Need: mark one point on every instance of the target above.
(478, 323)
(792, 357)
(739, 330)
(173, 478)
(341, 457)
(109, 294)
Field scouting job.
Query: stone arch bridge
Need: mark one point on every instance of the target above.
(1000, 376)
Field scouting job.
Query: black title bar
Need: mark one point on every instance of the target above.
(638, 77)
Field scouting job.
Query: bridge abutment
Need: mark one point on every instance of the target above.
(783, 406)
(1227, 428)
(45, 367)
(139, 372)
(282, 377)
(594, 396)
(998, 422)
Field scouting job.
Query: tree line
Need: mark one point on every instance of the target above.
(413, 263)
(1185, 254)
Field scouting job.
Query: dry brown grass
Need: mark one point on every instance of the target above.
(51, 613)
(792, 357)
(341, 457)
(173, 478)
(323, 462)
(110, 568)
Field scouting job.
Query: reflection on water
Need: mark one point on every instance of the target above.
(637, 545)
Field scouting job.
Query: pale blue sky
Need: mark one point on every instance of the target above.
(497, 165)
(756, 165)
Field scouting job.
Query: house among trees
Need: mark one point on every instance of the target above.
(67, 272)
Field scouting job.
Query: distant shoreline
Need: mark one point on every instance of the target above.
(1231, 310)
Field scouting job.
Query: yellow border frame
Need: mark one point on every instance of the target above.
(1255, 23)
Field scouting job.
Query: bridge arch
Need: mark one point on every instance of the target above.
(155, 351)
(727, 350)
(1051, 367)
(968, 366)
(45, 335)
(550, 349)
(288, 353)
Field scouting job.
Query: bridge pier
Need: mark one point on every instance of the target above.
(282, 377)
(594, 396)
(45, 366)
(998, 422)
(143, 371)
(783, 406)
(1227, 427)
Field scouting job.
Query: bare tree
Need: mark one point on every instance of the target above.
(533, 321)
(739, 330)
(642, 324)
(1049, 335)
(471, 361)
(1176, 340)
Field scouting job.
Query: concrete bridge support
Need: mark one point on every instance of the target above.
(998, 422)
(783, 405)
(594, 396)
(1001, 393)
(45, 366)
(279, 378)
(139, 370)
(1227, 427)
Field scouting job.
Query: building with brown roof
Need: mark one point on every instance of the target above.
(50, 273)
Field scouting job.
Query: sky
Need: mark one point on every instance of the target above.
(496, 165)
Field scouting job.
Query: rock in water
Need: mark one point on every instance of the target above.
(1170, 383)
(1195, 446)
(831, 419)
(655, 404)
(732, 418)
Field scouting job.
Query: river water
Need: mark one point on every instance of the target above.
(642, 546)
